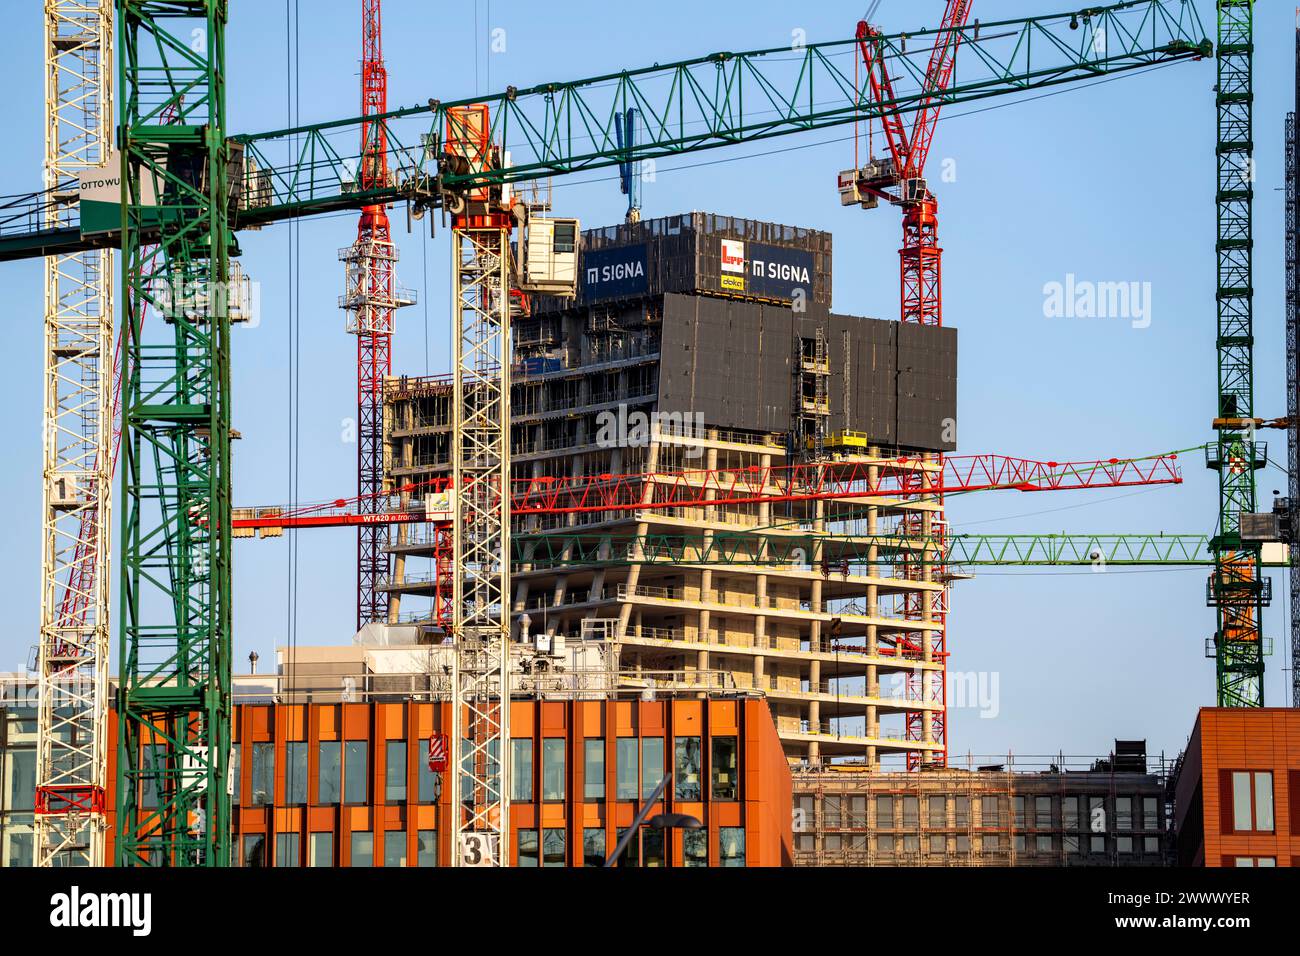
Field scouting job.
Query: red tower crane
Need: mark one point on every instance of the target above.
(371, 298)
(900, 179)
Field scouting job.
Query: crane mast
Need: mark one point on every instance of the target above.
(371, 297)
(480, 553)
(72, 656)
(1236, 589)
(921, 302)
(173, 699)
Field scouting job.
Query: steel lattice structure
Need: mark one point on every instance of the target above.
(72, 658)
(173, 802)
(1292, 376)
(1236, 589)
(481, 536)
(371, 298)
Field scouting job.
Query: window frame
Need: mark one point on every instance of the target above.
(1228, 800)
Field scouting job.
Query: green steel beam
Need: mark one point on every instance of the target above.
(538, 551)
(173, 700)
(709, 102)
(1237, 590)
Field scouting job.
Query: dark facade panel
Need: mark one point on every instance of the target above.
(733, 362)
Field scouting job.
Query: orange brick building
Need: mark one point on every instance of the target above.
(1237, 799)
(348, 784)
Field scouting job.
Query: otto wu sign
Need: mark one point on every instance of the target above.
(767, 272)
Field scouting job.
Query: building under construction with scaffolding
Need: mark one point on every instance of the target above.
(704, 347)
(1115, 810)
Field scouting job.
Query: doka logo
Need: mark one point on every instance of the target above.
(733, 256)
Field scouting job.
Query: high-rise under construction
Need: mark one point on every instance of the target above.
(701, 352)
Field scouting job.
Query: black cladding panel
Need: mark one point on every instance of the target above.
(732, 362)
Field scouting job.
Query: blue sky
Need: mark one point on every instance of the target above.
(1109, 183)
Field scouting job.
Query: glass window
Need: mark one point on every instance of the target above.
(1151, 845)
(22, 779)
(234, 775)
(831, 811)
(1097, 844)
(553, 847)
(321, 848)
(553, 768)
(1043, 844)
(625, 768)
(652, 765)
(1097, 814)
(356, 781)
(1043, 813)
(652, 847)
(1264, 801)
(911, 843)
(1124, 845)
(631, 855)
(1019, 803)
(833, 842)
(329, 772)
(731, 846)
(19, 848)
(961, 811)
(1070, 844)
(938, 811)
(593, 846)
(884, 813)
(394, 848)
(1241, 808)
(263, 774)
(938, 843)
(363, 848)
(426, 848)
(804, 816)
(527, 848)
(686, 763)
(885, 844)
(295, 772)
(963, 843)
(1021, 845)
(726, 779)
(991, 843)
(254, 849)
(395, 771)
(287, 848)
(521, 769)
(1070, 813)
(695, 847)
(1123, 813)
(911, 812)
(1150, 813)
(593, 768)
(858, 812)
(429, 784)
